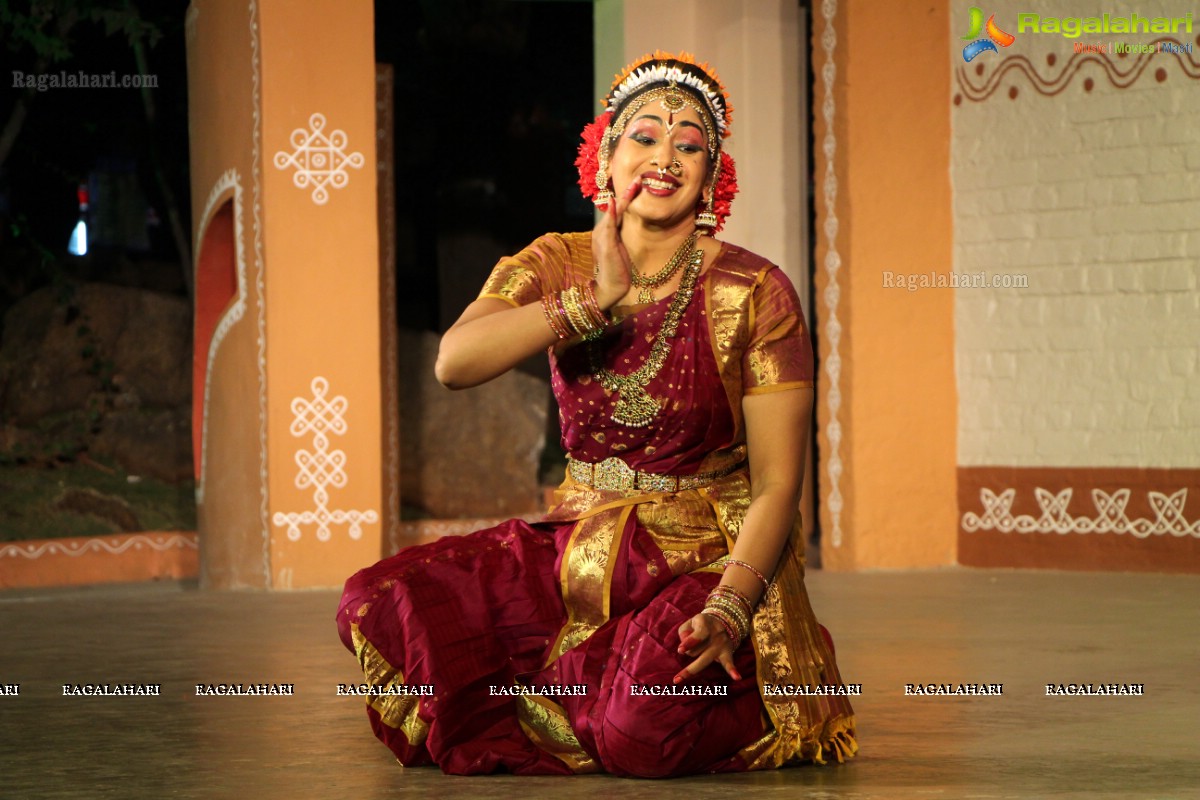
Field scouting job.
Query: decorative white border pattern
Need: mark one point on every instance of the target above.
(832, 294)
(160, 542)
(260, 288)
(1056, 518)
(233, 314)
(320, 468)
(320, 159)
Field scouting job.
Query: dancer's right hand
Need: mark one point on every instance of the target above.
(613, 267)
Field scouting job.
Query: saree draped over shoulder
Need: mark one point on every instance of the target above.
(549, 648)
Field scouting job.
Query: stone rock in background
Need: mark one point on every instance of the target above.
(115, 361)
(472, 453)
(112, 509)
(153, 443)
(42, 367)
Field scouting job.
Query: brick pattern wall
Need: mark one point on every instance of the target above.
(1079, 394)
(1093, 193)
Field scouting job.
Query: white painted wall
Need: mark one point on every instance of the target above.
(1095, 196)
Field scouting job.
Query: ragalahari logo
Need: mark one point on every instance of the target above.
(995, 36)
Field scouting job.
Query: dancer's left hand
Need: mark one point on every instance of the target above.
(706, 639)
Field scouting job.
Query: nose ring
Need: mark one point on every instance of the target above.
(661, 171)
(676, 167)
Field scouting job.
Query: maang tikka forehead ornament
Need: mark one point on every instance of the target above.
(676, 83)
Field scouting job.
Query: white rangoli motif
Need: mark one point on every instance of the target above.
(321, 468)
(1169, 517)
(320, 160)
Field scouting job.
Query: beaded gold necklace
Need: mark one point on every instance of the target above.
(635, 407)
(647, 284)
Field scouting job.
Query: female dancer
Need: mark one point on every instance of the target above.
(655, 623)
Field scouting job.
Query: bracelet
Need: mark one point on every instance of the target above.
(554, 316)
(592, 322)
(740, 619)
(733, 562)
(725, 623)
(592, 306)
(734, 594)
(732, 609)
(575, 311)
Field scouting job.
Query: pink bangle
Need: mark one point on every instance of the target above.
(732, 593)
(733, 562)
(726, 623)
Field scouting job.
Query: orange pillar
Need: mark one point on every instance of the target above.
(282, 108)
(886, 398)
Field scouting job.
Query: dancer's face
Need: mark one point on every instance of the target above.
(666, 154)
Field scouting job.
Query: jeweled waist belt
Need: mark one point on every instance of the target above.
(614, 474)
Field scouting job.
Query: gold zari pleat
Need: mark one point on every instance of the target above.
(396, 711)
(587, 567)
(683, 530)
(546, 725)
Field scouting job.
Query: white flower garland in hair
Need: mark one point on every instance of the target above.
(661, 73)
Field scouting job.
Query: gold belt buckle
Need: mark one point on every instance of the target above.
(614, 474)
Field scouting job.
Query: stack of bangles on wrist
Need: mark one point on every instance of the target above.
(575, 312)
(730, 607)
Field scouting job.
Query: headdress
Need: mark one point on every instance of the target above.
(676, 82)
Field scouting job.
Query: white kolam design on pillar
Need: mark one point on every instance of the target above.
(833, 292)
(1055, 517)
(320, 159)
(321, 468)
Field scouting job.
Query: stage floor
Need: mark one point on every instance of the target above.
(1022, 629)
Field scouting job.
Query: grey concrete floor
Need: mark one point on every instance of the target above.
(1022, 629)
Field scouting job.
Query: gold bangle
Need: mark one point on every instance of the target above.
(732, 592)
(551, 311)
(575, 313)
(593, 306)
(726, 623)
(738, 614)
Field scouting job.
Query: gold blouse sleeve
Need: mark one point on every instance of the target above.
(779, 355)
(529, 275)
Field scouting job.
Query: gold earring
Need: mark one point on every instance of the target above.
(603, 195)
(708, 218)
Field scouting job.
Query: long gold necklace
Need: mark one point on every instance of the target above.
(647, 284)
(635, 407)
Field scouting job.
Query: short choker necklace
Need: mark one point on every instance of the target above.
(647, 284)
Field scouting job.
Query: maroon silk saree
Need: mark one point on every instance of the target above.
(549, 648)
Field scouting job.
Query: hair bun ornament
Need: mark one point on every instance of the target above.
(725, 190)
(588, 160)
